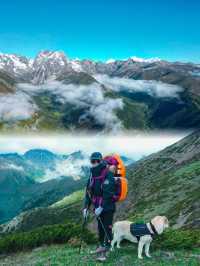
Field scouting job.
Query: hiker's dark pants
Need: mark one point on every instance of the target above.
(106, 220)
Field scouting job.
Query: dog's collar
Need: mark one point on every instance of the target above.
(153, 229)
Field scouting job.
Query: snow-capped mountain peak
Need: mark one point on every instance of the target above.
(13, 63)
(76, 65)
(48, 64)
(51, 56)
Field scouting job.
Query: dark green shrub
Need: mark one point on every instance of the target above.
(44, 235)
(178, 239)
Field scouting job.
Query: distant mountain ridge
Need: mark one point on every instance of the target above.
(53, 92)
(25, 180)
(51, 64)
(39, 178)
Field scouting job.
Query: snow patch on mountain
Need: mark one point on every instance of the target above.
(14, 64)
(76, 65)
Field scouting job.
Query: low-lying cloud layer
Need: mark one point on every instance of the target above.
(151, 87)
(12, 166)
(17, 106)
(67, 168)
(91, 97)
(135, 145)
(102, 109)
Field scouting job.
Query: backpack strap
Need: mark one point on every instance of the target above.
(97, 200)
(103, 174)
(101, 177)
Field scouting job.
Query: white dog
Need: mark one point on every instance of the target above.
(139, 233)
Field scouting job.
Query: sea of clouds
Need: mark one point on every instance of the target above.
(69, 167)
(151, 87)
(21, 106)
(17, 106)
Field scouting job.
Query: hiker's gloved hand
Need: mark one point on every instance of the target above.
(85, 213)
(98, 211)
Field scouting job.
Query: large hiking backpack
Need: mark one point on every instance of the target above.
(121, 183)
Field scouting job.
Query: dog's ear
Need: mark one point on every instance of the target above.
(166, 221)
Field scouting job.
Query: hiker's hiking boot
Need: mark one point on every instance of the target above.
(98, 250)
(102, 257)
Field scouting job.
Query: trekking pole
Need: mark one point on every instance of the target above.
(83, 227)
(104, 229)
(98, 218)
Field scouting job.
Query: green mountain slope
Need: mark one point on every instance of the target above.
(31, 180)
(165, 183)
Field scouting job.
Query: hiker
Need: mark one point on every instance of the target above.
(100, 191)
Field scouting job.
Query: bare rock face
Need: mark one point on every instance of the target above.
(48, 65)
(7, 83)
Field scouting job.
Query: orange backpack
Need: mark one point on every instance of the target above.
(120, 176)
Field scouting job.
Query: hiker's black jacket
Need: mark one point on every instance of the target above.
(105, 190)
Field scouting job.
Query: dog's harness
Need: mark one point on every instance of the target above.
(139, 229)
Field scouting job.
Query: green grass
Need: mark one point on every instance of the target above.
(72, 198)
(192, 168)
(63, 255)
(45, 235)
(133, 115)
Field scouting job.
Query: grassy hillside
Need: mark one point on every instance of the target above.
(174, 247)
(72, 198)
(64, 255)
(166, 183)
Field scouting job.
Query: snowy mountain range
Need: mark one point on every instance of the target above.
(50, 64)
(53, 92)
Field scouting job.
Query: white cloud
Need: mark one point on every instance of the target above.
(151, 87)
(20, 105)
(12, 166)
(132, 145)
(17, 106)
(104, 114)
(91, 97)
(68, 167)
(110, 61)
(144, 60)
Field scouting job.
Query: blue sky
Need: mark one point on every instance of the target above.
(102, 29)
